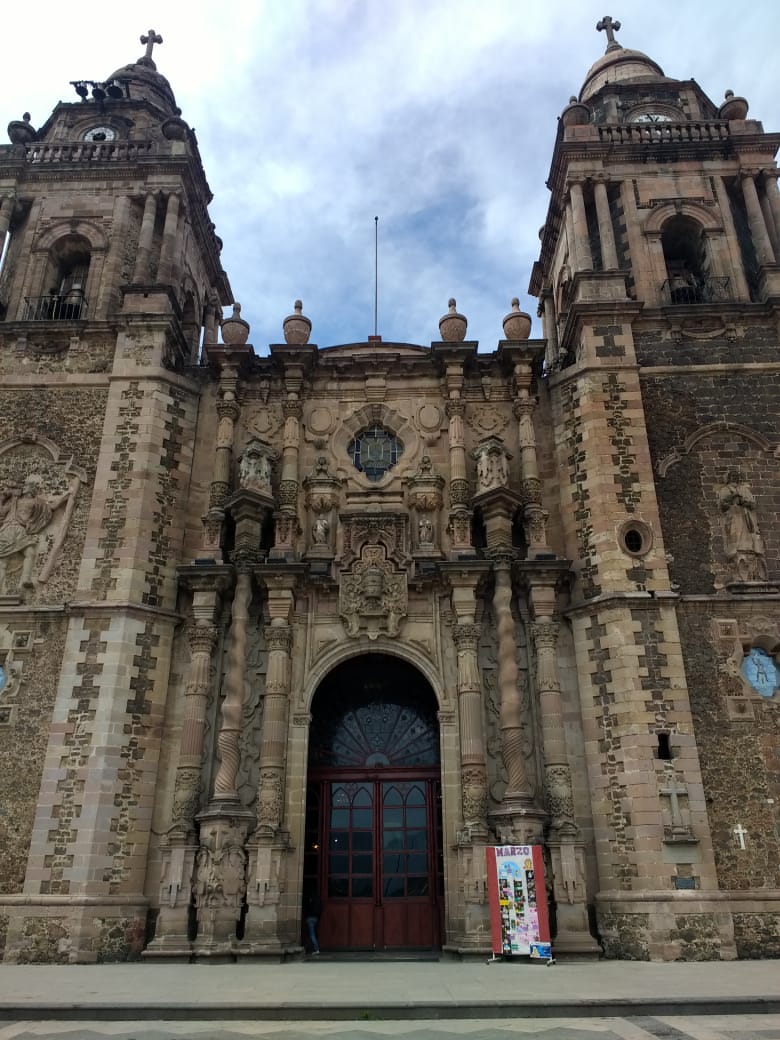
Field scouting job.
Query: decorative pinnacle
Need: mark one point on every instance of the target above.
(610, 27)
(451, 304)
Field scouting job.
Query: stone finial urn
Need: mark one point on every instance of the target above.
(20, 131)
(733, 107)
(517, 324)
(297, 327)
(575, 113)
(452, 327)
(175, 129)
(234, 329)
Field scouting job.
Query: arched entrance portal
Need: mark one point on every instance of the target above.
(373, 810)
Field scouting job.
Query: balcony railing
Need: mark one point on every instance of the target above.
(658, 133)
(55, 307)
(684, 289)
(88, 151)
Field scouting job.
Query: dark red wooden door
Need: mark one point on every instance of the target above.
(378, 860)
(373, 818)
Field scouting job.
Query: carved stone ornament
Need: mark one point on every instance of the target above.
(255, 467)
(387, 530)
(38, 493)
(742, 541)
(425, 498)
(373, 596)
(220, 868)
(492, 460)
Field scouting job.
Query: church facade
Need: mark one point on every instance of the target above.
(337, 620)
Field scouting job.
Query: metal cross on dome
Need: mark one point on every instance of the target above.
(610, 28)
(150, 40)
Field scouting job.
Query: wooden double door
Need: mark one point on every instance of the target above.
(373, 852)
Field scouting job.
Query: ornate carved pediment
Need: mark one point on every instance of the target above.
(388, 530)
(373, 595)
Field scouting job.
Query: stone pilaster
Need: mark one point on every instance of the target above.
(460, 513)
(228, 411)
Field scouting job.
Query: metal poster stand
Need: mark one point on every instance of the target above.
(519, 921)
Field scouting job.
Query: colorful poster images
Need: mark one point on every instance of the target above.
(518, 901)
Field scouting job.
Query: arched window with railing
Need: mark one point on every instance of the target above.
(689, 276)
(64, 298)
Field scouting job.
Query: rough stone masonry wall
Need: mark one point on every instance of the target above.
(71, 418)
(737, 732)
(734, 417)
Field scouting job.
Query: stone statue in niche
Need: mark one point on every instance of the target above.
(26, 514)
(320, 530)
(742, 541)
(254, 473)
(492, 465)
(425, 530)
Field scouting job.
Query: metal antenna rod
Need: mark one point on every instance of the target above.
(376, 270)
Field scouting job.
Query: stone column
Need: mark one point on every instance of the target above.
(179, 846)
(772, 197)
(550, 328)
(233, 702)
(6, 211)
(473, 769)
(211, 322)
(509, 696)
(534, 516)
(460, 513)
(228, 411)
(609, 260)
(758, 231)
(286, 519)
(579, 227)
(170, 240)
(270, 840)
(563, 840)
(142, 274)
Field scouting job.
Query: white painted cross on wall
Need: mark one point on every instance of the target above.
(740, 833)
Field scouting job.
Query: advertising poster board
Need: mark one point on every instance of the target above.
(518, 901)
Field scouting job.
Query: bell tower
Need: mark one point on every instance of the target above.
(659, 290)
(111, 280)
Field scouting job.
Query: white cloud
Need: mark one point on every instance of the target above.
(437, 115)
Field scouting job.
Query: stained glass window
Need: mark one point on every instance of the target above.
(374, 451)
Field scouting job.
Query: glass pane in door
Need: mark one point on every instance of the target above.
(405, 860)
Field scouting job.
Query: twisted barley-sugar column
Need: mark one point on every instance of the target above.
(472, 742)
(202, 639)
(510, 712)
(232, 705)
(270, 795)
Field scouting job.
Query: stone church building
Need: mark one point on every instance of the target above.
(335, 619)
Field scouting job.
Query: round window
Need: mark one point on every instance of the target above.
(636, 538)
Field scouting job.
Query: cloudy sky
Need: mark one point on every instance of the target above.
(438, 116)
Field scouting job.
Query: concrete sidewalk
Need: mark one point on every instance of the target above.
(318, 990)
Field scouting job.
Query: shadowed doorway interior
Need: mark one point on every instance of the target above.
(373, 810)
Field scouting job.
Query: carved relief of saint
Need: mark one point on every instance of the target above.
(742, 541)
(25, 515)
(254, 472)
